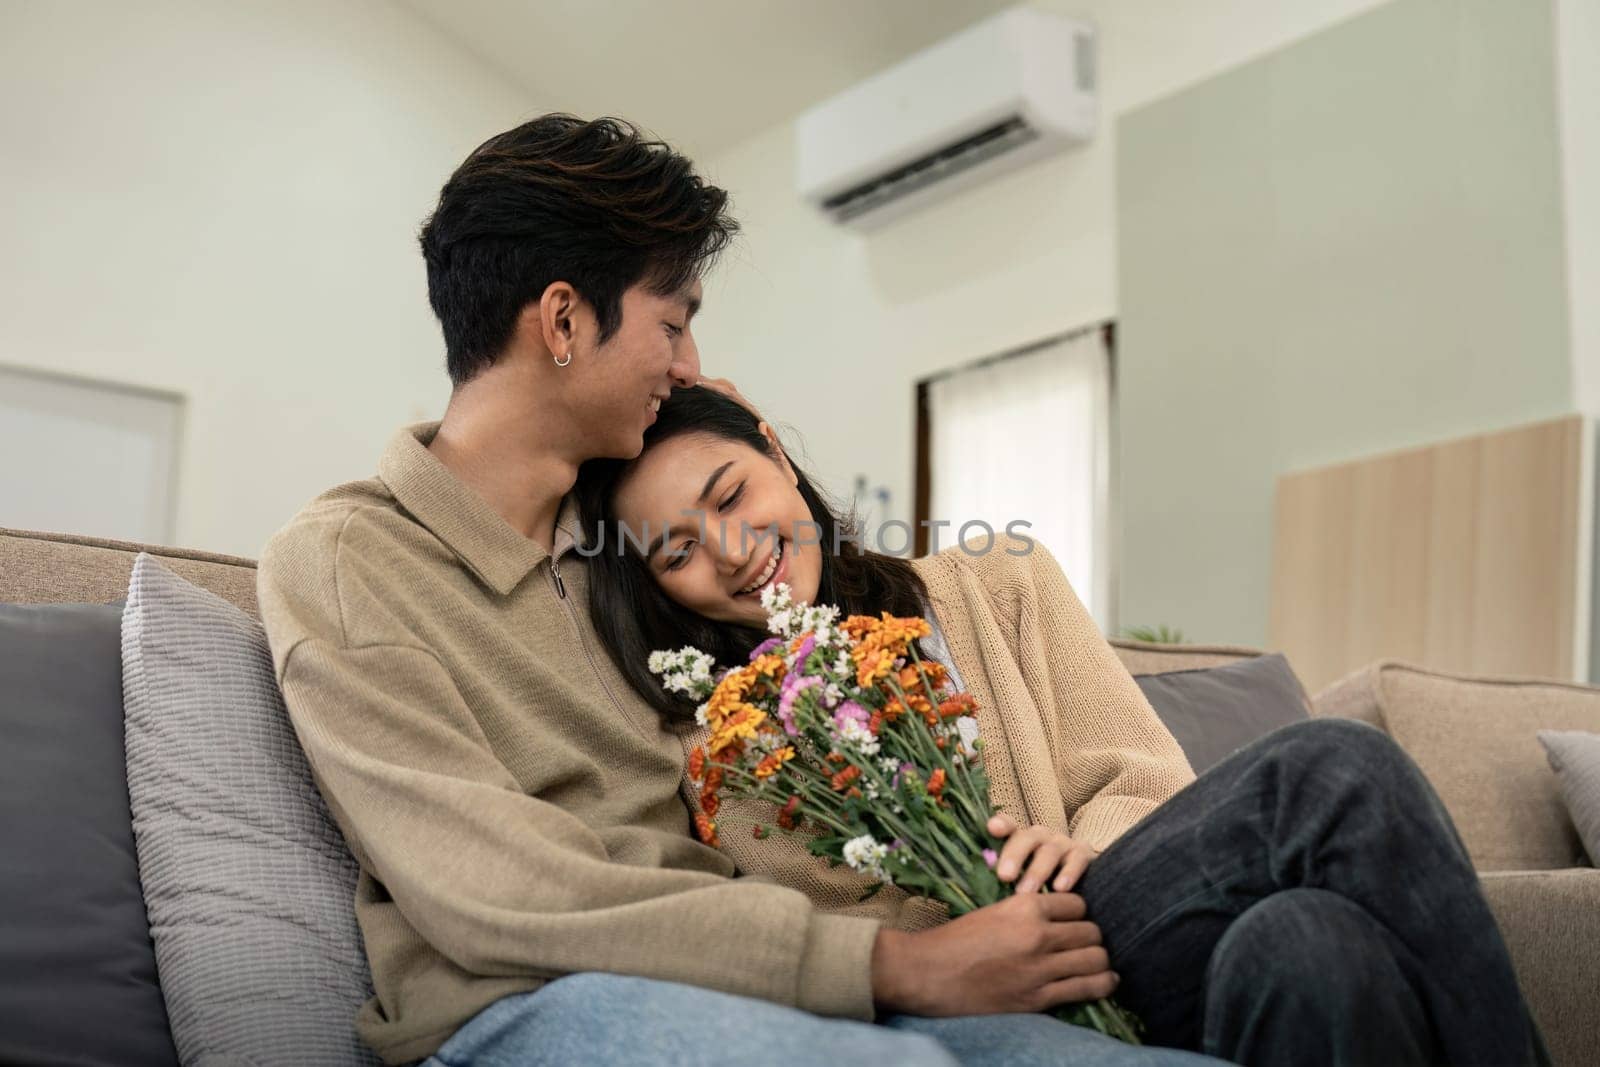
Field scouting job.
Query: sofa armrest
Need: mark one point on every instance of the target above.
(1551, 924)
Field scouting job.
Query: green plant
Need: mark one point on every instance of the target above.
(1154, 635)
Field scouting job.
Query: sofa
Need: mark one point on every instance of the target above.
(1465, 733)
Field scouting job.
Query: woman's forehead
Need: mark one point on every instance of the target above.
(674, 472)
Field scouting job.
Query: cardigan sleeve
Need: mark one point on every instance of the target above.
(1115, 759)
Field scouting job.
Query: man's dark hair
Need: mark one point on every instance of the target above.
(596, 204)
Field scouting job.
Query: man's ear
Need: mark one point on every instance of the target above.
(553, 318)
(775, 447)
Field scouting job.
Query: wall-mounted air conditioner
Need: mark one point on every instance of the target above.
(1000, 93)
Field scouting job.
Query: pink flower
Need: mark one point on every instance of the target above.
(793, 686)
(848, 711)
(991, 857)
(764, 647)
(804, 650)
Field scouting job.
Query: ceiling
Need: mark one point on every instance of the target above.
(703, 74)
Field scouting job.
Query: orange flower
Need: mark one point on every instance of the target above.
(835, 757)
(706, 829)
(875, 724)
(845, 777)
(729, 695)
(769, 666)
(959, 704)
(711, 803)
(872, 665)
(740, 725)
(773, 762)
(936, 780)
(697, 763)
(853, 793)
(893, 710)
(714, 780)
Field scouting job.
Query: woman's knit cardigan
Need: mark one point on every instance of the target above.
(1070, 741)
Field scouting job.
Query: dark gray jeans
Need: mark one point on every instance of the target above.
(1308, 901)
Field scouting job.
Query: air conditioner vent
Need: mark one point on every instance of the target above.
(936, 166)
(1000, 94)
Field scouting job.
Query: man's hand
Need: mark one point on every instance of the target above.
(1041, 851)
(1024, 954)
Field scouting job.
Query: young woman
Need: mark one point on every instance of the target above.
(1306, 901)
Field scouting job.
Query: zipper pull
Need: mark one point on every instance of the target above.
(555, 574)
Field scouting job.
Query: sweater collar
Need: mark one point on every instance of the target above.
(489, 546)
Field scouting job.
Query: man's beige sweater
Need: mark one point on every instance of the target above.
(516, 809)
(513, 806)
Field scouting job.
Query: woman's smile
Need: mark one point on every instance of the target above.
(774, 570)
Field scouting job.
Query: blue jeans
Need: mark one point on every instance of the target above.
(1307, 901)
(640, 1022)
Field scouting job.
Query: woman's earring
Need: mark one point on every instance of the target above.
(564, 362)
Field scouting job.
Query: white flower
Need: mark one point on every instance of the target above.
(889, 764)
(657, 661)
(866, 855)
(831, 695)
(700, 715)
(857, 734)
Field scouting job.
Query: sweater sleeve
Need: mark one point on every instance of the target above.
(1116, 760)
(504, 884)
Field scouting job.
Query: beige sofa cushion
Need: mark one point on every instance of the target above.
(45, 568)
(1142, 657)
(1476, 740)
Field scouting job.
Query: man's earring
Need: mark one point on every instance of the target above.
(564, 362)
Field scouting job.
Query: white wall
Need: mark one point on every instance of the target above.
(1578, 89)
(222, 200)
(827, 329)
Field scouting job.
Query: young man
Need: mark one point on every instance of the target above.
(514, 808)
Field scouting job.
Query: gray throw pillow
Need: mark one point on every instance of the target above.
(1575, 757)
(1216, 711)
(77, 973)
(249, 885)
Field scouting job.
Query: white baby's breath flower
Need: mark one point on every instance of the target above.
(866, 855)
(775, 598)
(856, 733)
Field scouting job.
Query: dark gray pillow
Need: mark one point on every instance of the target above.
(77, 971)
(1215, 712)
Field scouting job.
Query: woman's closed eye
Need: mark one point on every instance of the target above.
(678, 558)
(731, 499)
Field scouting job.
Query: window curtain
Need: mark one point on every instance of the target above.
(1028, 437)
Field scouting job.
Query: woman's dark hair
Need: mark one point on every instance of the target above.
(596, 204)
(634, 617)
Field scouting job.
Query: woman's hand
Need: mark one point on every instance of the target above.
(1037, 852)
(729, 390)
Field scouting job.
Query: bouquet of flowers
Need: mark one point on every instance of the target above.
(862, 747)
